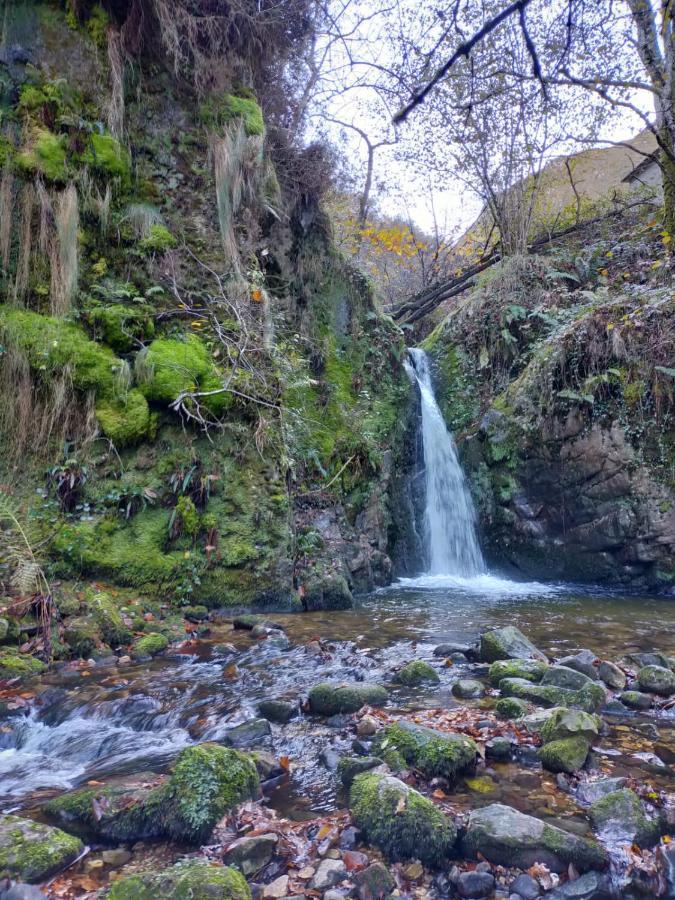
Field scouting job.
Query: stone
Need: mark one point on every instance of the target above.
(329, 698)
(367, 726)
(255, 732)
(507, 837)
(620, 817)
(475, 884)
(561, 676)
(449, 649)
(591, 886)
(398, 820)
(416, 672)
(19, 891)
(583, 661)
(649, 659)
(526, 887)
(433, 752)
(281, 711)
(250, 854)
(248, 622)
(329, 873)
(534, 722)
(327, 593)
(591, 697)
(499, 748)
(566, 755)
(507, 643)
(330, 758)
(351, 766)
(116, 858)
(666, 857)
(414, 871)
(529, 669)
(266, 764)
(657, 680)
(468, 689)
(374, 883)
(31, 851)
(590, 791)
(636, 700)
(612, 675)
(511, 708)
(567, 723)
(276, 889)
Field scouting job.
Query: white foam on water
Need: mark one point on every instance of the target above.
(491, 585)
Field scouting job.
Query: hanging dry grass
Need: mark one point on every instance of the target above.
(64, 257)
(6, 217)
(28, 203)
(115, 104)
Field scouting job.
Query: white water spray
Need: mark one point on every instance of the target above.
(450, 517)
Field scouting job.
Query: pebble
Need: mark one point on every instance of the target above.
(329, 873)
(367, 726)
(348, 838)
(526, 887)
(306, 873)
(115, 858)
(414, 871)
(475, 884)
(277, 888)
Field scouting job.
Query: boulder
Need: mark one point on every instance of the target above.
(620, 817)
(468, 689)
(329, 698)
(583, 661)
(657, 680)
(400, 821)
(351, 766)
(636, 700)
(449, 649)
(591, 886)
(612, 675)
(205, 782)
(250, 854)
(511, 708)
(526, 887)
(565, 755)
(374, 883)
(195, 878)
(254, 733)
(475, 884)
(561, 676)
(278, 710)
(31, 851)
(416, 672)
(590, 791)
(329, 873)
(507, 643)
(534, 722)
(649, 659)
(566, 723)
(591, 697)
(330, 592)
(507, 837)
(529, 669)
(432, 752)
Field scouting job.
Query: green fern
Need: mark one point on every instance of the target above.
(17, 553)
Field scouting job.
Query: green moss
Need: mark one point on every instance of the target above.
(218, 110)
(14, 664)
(31, 852)
(186, 516)
(329, 698)
(194, 879)
(432, 752)
(529, 669)
(589, 698)
(109, 619)
(123, 327)
(107, 158)
(400, 821)
(6, 151)
(565, 755)
(45, 155)
(416, 672)
(150, 645)
(158, 240)
(621, 815)
(97, 26)
(82, 635)
(564, 723)
(125, 421)
(174, 366)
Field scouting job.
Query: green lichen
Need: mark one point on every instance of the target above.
(191, 880)
(45, 155)
(416, 672)
(432, 752)
(150, 645)
(218, 110)
(158, 240)
(399, 820)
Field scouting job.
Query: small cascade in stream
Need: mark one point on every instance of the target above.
(450, 518)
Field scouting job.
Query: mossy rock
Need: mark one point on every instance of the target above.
(636, 699)
(351, 766)
(566, 723)
(107, 616)
(507, 643)
(31, 851)
(511, 708)
(564, 755)
(82, 635)
(168, 367)
(330, 698)
(468, 689)
(107, 157)
(432, 752)
(218, 110)
(416, 672)
(590, 698)
(507, 837)
(125, 420)
(620, 817)
(122, 327)
(657, 680)
(150, 645)
(327, 594)
(529, 669)
(158, 240)
(565, 677)
(15, 664)
(194, 879)
(205, 782)
(400, 821)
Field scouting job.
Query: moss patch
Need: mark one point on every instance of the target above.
(218, 110)
(432, 752)
(191, 880)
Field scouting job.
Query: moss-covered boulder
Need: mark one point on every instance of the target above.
(194, 879)
(15, 664)
(31, 851)
(507, 837)
(399, 820)
(620, 817)
(511, 708)
(529, 669)
(416, 672)
(636, 699)
(432, 752)
(562, 676)
(351, 766)
(150, 645)
(82, 635)
(507, 643)
(205, 782)
(329, 698)
(566, 723)
(564, 755)
(109, 619)
(468, 689)
(657, 680)
(328, 592)
(591, 697)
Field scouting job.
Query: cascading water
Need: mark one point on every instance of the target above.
(450, 517)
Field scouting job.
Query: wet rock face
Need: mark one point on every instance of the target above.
(505, 836)
(31, 851)
(620, 817)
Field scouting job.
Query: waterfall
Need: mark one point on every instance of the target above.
(450, 518)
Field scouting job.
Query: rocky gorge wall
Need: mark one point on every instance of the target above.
(200, 399)
(556, 375)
